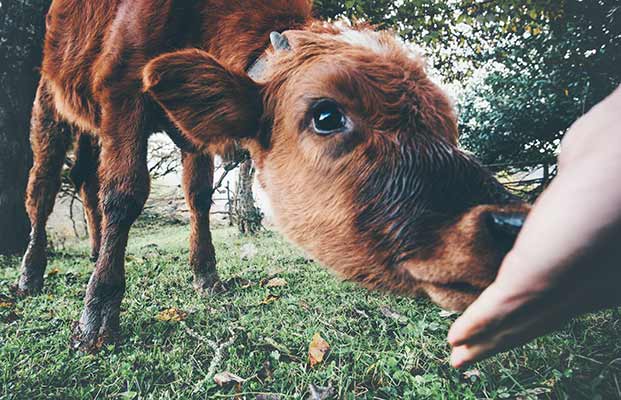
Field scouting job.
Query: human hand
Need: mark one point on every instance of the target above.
(567, 259)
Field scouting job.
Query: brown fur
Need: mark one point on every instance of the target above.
(84, 177)
(393, 204)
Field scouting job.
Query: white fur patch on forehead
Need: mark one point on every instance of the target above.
(380, 42)
(369, 39)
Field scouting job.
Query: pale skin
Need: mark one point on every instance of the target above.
(567, 259)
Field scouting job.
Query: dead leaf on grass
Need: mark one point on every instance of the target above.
(275, 282)
(270, 299)
(320, 392)
(317, 349)
(6, 304)
(172, 315)
(392, 314)
(226, 377)
(473, 373)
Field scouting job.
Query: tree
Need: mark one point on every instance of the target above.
(542, 82)
(22, 26)
(248, 216)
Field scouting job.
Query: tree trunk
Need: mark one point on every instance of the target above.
(249, 217)
(15, 160)
(22, 25)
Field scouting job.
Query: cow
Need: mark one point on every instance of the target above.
(355, 146)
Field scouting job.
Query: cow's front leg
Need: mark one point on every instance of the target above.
(124, 188)
(50, 140)
(198, 172)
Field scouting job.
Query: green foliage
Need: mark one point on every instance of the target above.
(542, 83)
(460, 36)
(374, 353)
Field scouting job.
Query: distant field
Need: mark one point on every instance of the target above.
(381, 346)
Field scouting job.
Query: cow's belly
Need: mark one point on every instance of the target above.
(75, 107)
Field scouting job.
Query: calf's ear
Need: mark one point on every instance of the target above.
(206, 100)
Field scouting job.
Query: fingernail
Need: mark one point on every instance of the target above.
(454, 336)
(451, 337)
(459, 356)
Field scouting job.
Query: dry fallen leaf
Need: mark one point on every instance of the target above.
(6, 304)
(225, 377)
(172, 314)
(317, 349)
(473, 373)
(270, 299)
(319, 392)
(392, 314)
(276, 282)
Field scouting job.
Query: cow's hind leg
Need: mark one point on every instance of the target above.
(198, 172)
(50, 140)
(84, 176)
(124, 187)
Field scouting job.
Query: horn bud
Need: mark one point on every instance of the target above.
(279, 42)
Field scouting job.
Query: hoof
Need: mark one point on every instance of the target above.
(209, 285)
(91, 341)
(32, 270)
(98, 325)
(94, 256)
(26, 288)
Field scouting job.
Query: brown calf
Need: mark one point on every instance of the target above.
(356, 147)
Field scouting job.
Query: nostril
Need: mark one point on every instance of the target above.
(505, 226)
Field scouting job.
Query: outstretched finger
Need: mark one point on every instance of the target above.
(483, 317)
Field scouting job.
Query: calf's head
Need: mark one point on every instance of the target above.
(357, 150)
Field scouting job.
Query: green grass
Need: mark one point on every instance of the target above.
(371, 356)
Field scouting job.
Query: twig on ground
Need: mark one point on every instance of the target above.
(218, 350)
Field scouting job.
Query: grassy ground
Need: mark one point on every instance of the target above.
(382, 346)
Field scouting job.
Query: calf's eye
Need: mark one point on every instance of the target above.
(328, 118)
